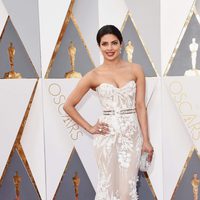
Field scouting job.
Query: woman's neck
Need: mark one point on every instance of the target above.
(113, 63)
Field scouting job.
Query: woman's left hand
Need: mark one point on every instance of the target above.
(147, 147)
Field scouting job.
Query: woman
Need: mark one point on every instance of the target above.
(121, 133)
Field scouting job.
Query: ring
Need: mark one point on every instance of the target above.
(100, 129)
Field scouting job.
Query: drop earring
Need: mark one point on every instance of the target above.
(120, 50)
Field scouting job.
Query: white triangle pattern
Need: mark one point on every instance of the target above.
(172, 26)
(58, 144)
(80, 9)
(34, 134)
(154, 107)
(187, 99)
(51, 21)
(26, 22)
(145, 17)
(176, 144)
(15, 96)
(3, 16)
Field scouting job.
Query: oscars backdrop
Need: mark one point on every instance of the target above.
(45, 49)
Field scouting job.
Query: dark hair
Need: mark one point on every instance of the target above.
(108, 29)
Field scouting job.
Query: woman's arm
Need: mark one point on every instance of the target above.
(75, 97)
(142, 110)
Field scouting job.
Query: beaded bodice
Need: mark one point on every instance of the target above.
(113, 98)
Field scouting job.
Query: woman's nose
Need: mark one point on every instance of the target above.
(110, 47)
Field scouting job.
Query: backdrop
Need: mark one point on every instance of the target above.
(41, 146)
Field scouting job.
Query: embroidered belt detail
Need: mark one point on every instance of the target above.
(122, 112)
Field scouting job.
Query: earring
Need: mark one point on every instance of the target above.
(120, 50)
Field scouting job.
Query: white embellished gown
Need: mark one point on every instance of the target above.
(118, 152)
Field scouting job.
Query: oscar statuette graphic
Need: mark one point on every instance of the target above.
(129, 51)
(11, 74)
(76, 182)
(72, 54)
(195, 185)
(17, 183)
(193, 49)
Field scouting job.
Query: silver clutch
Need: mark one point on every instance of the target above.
(144, 163)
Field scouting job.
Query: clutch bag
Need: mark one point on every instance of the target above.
(144, 163)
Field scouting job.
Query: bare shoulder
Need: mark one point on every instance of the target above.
(137, 70)
(90, 74)
(136, 67)
(95, 73)
(133, 66)
(89, 79)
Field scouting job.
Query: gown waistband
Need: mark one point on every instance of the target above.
(121, 112)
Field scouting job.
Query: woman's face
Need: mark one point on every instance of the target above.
(110, 47)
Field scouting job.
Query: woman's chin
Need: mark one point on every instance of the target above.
(111, 58)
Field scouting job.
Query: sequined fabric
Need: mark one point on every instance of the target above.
(118, 153)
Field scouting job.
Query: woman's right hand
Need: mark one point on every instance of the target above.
(101, 128)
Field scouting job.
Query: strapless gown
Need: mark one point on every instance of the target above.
(118, 153)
